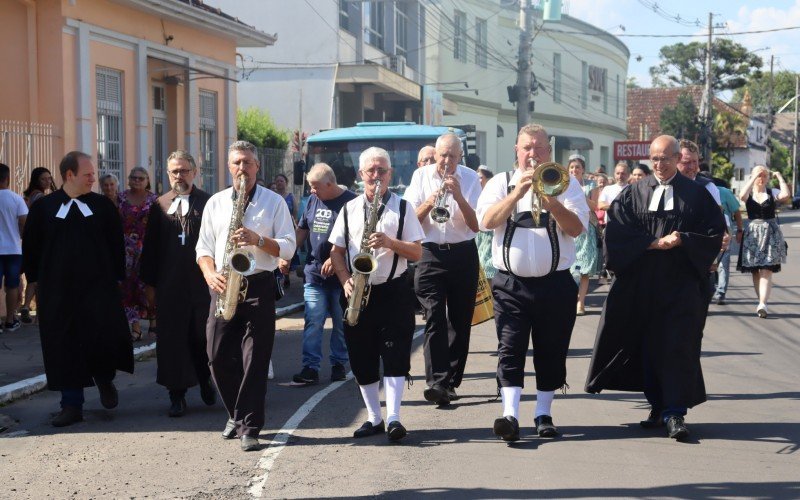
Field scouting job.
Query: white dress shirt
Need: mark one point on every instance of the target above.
(529, 252)
(610, 193)
(266, 214)
(426, 181)
(388, 224)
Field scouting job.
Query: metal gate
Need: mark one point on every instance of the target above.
(23, 147)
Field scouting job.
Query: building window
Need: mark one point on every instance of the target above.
(481, 42)
(584, 84)
(460, 37)
(375, 26)
(401, 29)
(604, 155)
(344, 15)
(110, 151)
(557, 78)
(208, 140)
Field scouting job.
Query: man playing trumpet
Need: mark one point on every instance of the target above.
(534, 293)
(443, 195)
(384, 327)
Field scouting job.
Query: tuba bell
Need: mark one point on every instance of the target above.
(549, 179)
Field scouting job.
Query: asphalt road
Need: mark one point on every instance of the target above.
(745, 440)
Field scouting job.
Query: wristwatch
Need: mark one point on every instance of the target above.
(260, 241)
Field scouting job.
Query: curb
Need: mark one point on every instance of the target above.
(28, 386)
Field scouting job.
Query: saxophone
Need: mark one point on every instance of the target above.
(363, 264)
(236, 262)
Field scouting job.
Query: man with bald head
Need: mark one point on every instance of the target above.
(662, 234)
(443, 195)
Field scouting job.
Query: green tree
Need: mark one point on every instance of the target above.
(632, 83)
(758, 86)
(780, 160)
(684, 64)
(681, 120)
(256, 126)
(721, 166)
(729, 130)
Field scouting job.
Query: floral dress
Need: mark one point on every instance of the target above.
(763, 245)
(134, 222)
(588, 259)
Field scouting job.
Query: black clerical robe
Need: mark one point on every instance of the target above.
(653, 319)
(77, 262)
(168, 263)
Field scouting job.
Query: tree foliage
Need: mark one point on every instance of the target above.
(721, 166)
(256, 126)
(684, 64)
(681, 120)
(780, 160)
(729, 130)
(783, 90)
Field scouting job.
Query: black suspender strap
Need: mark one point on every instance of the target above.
(511, 226)
(346, 238)
(399, 237)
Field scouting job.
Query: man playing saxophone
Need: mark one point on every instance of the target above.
(239, 349)
(534, 293)
(384, 327)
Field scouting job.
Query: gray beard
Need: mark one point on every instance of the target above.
(181, 188)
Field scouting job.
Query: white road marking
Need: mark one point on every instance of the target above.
(278, 443)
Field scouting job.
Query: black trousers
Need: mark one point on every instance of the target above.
(182, 355)
(239, 351)
(541, 309)
(384, 332)
(446, 283)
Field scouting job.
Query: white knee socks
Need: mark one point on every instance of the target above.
(393, 387)
(510, 397)
(370, 394)
(544, 399)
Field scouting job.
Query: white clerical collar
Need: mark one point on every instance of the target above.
(64, 210)
(183, 201)
(664, 188)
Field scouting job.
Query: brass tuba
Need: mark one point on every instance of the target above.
(236, 262)
(363, 264)
(549, 179)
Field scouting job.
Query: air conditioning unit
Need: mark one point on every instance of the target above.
(397, 64)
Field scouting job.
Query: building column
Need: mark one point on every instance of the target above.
(142, 123)
(191, 115)
(230, 134)
(87, 140)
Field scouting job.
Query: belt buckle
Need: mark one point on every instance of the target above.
(444, 246)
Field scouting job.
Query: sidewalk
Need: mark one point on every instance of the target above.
(22, 369)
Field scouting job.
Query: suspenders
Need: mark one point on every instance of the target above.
(524, 220)
(399, 236)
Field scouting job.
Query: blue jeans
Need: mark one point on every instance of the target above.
(723, 272)
(322, 301)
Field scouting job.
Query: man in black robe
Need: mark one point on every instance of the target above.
(176, 285)
(73, 249)
(662, 235)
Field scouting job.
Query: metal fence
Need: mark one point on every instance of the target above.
(23, 147)
(274, 162)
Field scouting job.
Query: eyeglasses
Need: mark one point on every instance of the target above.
(182, 171)
(427, 160)
(661, 159)
(376, 171)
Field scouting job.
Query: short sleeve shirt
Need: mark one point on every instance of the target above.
(12, 207)
(318, 218)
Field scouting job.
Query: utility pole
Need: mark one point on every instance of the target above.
(794, 143)
(523, 87)
(708, 96)
(771, 110)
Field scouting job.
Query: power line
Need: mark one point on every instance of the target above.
(694, 35)
(676, 18)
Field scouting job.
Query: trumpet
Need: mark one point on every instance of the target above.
(549, 179)
(439, 212)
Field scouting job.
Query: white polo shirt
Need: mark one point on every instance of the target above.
(12, 207)
(610, 193)
(266, 214)
(529, 253)
(388, 223)
(426, 181)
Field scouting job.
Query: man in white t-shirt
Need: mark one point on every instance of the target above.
(622, 172)
(13, 212)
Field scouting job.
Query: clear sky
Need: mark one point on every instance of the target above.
(638, 17)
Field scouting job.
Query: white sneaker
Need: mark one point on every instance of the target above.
(270, 373)
(761, 310)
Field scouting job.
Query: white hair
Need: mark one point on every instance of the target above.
(450, 137)
(373, 153)
(321, 172)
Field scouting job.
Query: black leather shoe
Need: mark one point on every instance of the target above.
(67, 416)
(545, 427)
(207, 393)
(436, 394)
(507, 428)
(109, 397)
(367, 429)
(177, 408)
(653, 419)
(338, 372)
(396, 431)
(451, 394)
(676, 428)
(230, 429)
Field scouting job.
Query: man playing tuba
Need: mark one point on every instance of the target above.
(385, 325)
(534, 293)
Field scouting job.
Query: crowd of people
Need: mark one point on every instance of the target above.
(170, 259)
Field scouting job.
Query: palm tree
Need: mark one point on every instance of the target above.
(730, 130)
